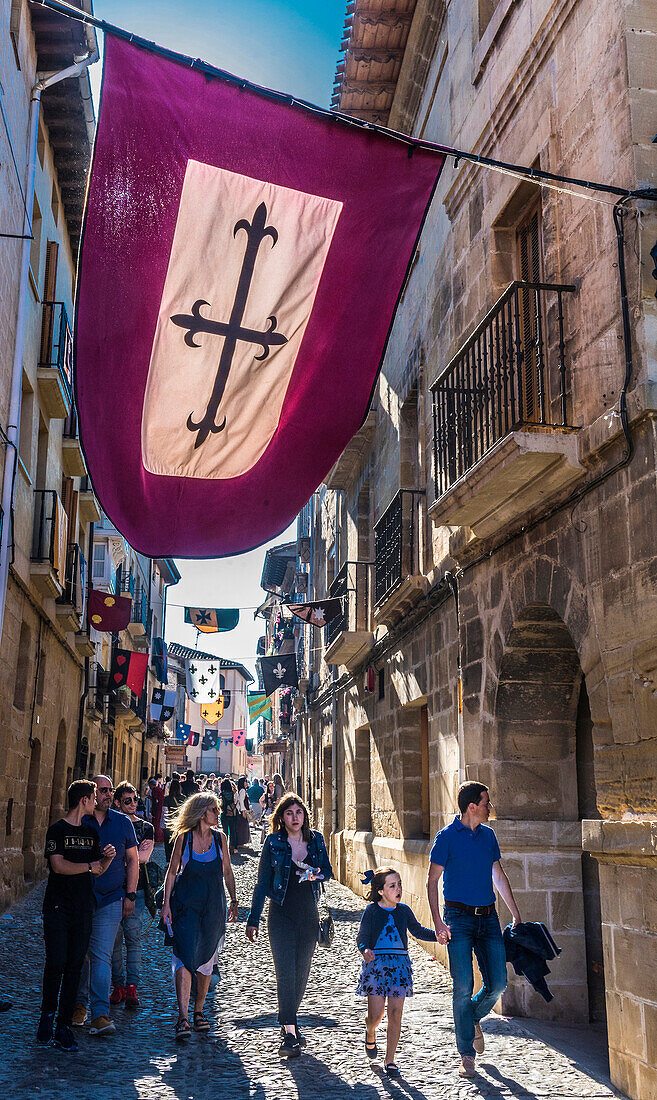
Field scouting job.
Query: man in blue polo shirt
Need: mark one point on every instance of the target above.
(115, 892)
(468, 854)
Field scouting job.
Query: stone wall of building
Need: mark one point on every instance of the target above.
(557, 598)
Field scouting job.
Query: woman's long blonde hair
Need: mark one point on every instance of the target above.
(191, 812)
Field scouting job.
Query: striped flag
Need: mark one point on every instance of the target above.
(259, 706)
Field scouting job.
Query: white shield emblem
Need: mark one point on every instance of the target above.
(245, 265)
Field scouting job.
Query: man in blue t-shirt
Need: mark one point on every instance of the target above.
(467, 854)
(115, 892)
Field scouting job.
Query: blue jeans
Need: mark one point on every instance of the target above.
(482, 935)
(94, 985)
(130, 930)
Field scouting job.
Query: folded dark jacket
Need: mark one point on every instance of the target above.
(528, 946)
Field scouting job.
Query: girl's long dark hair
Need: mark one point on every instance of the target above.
(378, 881)
(283, 804)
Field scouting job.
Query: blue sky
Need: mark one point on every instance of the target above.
(291, 45)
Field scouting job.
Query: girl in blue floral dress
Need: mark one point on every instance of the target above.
(387, 973)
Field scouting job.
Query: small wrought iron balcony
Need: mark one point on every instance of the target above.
(55, 360)
(47, 567)
(397, 545)
(509, 374)
(73, 600)
(349, 636)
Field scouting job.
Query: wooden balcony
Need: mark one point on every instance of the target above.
(502, 441)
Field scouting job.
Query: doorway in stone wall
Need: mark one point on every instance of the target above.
(29, 861)
(542, 774)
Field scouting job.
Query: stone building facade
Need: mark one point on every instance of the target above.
(44, 641)
(58, 720)
(491, 528)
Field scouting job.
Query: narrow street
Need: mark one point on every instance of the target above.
(238, 1058)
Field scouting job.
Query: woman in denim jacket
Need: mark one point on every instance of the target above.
(293, 863)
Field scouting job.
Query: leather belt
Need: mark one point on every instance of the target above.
(474, 910)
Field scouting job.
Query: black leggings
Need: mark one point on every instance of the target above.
(66, 931)
(292, 940)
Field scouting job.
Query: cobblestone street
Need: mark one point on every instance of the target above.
(238, 1058)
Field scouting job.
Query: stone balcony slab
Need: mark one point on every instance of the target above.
(53, 394)
(523, 470)
(72, 457)
(401, 599)
(349, 648)
(44, 577)
(88, 507)
(341, 475)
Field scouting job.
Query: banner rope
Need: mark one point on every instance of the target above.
(541, 178)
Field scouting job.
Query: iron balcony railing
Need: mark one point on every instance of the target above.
(71, 425)
(45, 530)
(57, 342)
(352, 585)
(396, 543)
(75, 583)
(124, 584)
(510, 372)
(141, 612)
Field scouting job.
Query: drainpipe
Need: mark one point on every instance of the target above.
(46, 80)
(454, 589)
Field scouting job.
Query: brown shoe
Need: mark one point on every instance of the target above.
(102, 1025)
(467, 1066)
(79, 1015)
(479, 1043)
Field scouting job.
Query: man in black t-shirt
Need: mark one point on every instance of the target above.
(74, 854)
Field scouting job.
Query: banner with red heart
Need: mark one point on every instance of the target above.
(129, 668)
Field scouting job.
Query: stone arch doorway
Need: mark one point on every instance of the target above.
(29, 828)
(543, 785)
(57, 795)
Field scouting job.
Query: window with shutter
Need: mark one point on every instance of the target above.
(98, 571)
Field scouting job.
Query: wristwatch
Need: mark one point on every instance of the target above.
(131, 896)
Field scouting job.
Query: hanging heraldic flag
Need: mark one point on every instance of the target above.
(203, 684)
(259, 706)
(279, 671)
(212, 712)
(241, 264)
(128, 668)
(107, 612)
(239, 737)
(193, 739)
(317, 614)
(210, 620)
(163, 704)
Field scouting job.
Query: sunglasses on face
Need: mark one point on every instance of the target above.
(129, 798)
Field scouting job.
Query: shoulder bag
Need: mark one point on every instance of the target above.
(326, 931)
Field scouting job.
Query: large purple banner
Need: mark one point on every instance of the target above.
(241, 264)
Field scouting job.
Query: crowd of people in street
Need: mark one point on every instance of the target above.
(103, 880)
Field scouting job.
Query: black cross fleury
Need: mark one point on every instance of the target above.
(232, 330)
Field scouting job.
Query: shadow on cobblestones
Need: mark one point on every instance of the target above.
(239, 1059)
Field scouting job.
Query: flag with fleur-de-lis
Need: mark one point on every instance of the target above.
(241, 263)
(279, 671)
(203, 682)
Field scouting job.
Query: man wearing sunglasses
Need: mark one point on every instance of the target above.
(124, 982)
(115, 892)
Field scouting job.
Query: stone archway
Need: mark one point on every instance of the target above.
(543, 783)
